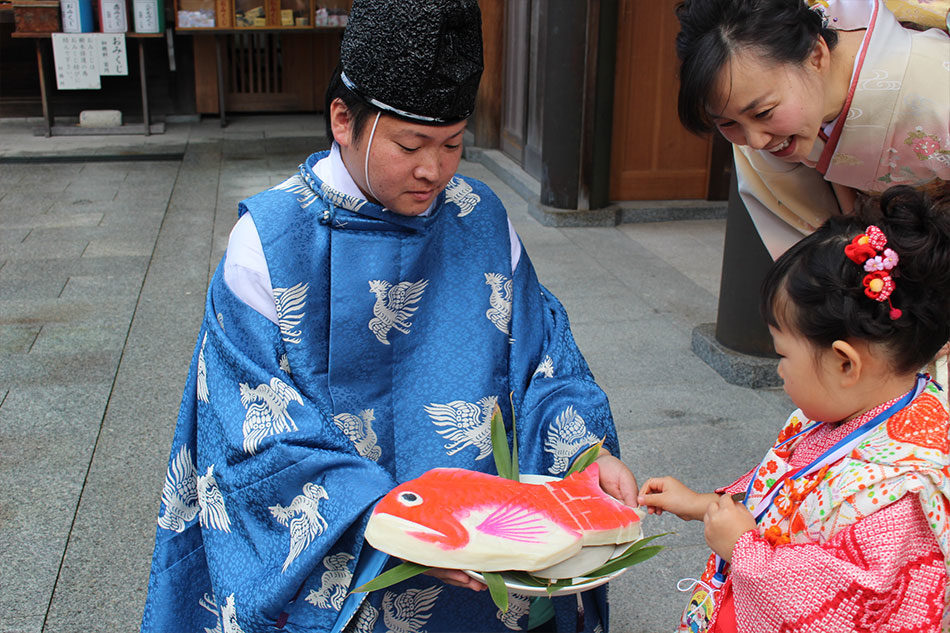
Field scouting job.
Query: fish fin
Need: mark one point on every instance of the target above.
(517, 523)
(586, 480)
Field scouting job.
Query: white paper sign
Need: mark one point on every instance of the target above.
(77, 61)
(146, 16)
(112, 16)
(81, 58)
(112, 57)
(69, 9)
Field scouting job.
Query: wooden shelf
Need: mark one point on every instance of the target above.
(213, 30)
(130, 34)
(43, 59)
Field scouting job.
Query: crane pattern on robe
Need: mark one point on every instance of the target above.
(365, 618)
(180, 493)
(333, 582)
(565, 437)
(464, 424)
(303, 518)
(290, 304)
(212, 514)
(299, 187)
(394, 305)
(460, 193)
(545, 368)
(226, 617)
(518, 607)
(267, 414)
(408, 612)
(201, 390)
(500, 301)
(358, 428)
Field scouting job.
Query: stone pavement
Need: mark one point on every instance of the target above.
(104, 262)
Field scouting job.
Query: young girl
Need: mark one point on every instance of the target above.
(844, 525)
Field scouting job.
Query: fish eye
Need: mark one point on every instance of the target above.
(409, 499)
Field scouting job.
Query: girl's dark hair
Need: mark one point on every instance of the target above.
(816, 291)
(359, 109)
(711, 31)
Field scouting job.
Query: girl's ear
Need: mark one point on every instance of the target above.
(820, 57)
(848, 362)
(341, 123)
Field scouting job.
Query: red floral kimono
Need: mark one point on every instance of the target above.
(860, 544)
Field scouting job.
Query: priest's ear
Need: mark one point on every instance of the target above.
(341, 122)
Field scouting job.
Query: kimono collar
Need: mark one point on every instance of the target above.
(327, 176)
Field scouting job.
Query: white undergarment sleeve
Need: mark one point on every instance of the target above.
(245, 267)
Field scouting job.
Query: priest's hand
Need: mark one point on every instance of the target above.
(457, 578)
(616, 479)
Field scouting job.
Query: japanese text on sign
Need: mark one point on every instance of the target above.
(81, 58)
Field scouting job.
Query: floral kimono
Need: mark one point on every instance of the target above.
(894, 129)
(396, 336)
(853, 529)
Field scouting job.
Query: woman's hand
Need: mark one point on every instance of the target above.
(725, 521)
(669, 494)
(616, 479)
(456, 578)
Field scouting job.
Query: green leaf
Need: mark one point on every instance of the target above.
(499, 445)
(497, 588)
(397, 574)
(514, 446)
(585, 459)
(526, 578)
(631, 556)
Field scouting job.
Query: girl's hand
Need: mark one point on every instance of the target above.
(669, 494)
(616, 479)
(456, 578)
(725, 521)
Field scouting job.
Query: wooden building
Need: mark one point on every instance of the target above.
(580, 93)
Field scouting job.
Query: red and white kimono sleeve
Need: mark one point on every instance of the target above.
(884, 573)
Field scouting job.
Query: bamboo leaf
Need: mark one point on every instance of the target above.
(640, 543)
(497, 589)
(398, 573)
(514, 446)
(585, 459)
(525, 578)
(499, 445)
(627, 560)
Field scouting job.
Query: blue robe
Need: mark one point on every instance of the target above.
(396, 336)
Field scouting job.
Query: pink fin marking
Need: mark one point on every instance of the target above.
(515, 523)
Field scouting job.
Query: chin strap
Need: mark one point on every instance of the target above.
(369, 144)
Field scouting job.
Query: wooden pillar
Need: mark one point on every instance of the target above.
(486, 123)
(577, 92)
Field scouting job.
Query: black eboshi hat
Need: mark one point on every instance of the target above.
(417, 59)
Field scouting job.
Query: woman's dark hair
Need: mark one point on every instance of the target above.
(816, 291)
(711, 31)
(359, 109)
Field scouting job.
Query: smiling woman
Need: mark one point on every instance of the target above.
(819, 102)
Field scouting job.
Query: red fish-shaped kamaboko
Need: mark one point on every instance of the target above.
(463, 519)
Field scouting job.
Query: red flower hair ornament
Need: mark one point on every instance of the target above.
(869, 250)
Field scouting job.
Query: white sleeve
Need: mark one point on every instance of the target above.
(515, 246)
(245, 268)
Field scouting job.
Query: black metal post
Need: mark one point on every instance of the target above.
(745, 261)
